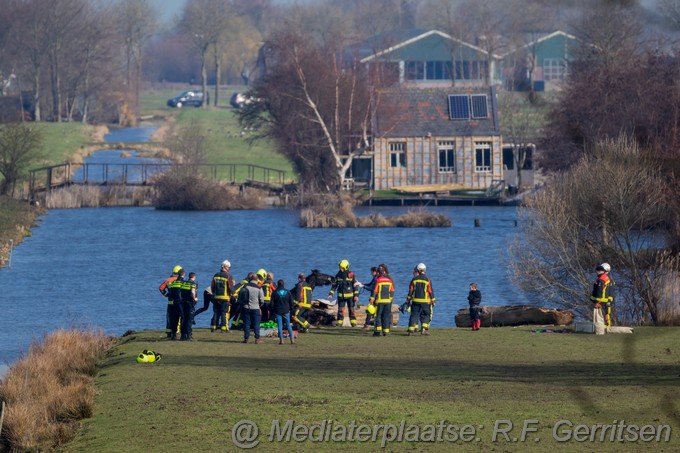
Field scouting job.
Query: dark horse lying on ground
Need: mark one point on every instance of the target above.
(317, 278)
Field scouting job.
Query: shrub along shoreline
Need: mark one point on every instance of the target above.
(16, 219)
(47, 392)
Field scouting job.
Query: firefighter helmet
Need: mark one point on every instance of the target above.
(421, 267)
(344, 265)
(176, 269)
(371, 309)
(606, 267)
(262, 274)
(226, 264)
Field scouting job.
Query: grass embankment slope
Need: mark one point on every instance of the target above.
(193, 397)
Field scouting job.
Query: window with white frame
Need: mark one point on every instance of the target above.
(397, 154)
(415, 70)
(483, 157)
(447, 157)
(554, 69)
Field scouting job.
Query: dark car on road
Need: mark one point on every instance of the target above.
(185, 98)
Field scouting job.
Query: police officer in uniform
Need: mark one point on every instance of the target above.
(164, 288)
(176, 295)
(189, 299)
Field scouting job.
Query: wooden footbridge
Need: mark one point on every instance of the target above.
(46, 179)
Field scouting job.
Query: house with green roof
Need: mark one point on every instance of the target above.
(541, 61)
(424, 59)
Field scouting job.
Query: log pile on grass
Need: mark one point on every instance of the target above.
(47, 392)
(191, 192)
(336, 211)
(516, 315)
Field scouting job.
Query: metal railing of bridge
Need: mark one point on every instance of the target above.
(141, 174)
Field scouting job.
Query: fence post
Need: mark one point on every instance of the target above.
(2, 415)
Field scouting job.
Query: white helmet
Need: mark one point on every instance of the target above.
(226, 264)
(606, 267)
(421, 267)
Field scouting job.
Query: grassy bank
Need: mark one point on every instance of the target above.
(192, 399)
(227, 141)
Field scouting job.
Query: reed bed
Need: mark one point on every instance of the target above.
(341, 215)
(49, 390)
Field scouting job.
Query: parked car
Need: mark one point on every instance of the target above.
(194, 98)
(239, 100)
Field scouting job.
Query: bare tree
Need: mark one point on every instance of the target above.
(205, 22)
(602, 209)
(189, 143)
(29, 35)
(316, 110)
(19, 146)
(137, 21)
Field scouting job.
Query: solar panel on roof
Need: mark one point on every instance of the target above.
(479, 108)
(459, 107)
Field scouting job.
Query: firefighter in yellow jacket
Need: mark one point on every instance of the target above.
(382, 296)
(603, 294)
(348, 293)
(302, 296)
(421, 298)
(222, 292)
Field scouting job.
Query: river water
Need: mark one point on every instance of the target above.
(101, 267)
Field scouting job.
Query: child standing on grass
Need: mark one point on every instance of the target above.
(475, 299)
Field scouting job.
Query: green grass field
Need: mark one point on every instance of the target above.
(460, 383)
(227, 142)
(61, 141)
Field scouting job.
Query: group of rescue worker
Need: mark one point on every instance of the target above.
(223, 292)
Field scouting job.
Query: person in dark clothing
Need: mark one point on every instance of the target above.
(235, 315)
(164, 288)
(189, 298)
(369, 288)
(421, 298)
(475, 299)
(222, 292)
(250, 299)
(281, 306)
(176, 311)
(302, 295)
(207, 299)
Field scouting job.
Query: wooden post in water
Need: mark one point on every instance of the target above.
(478, 223)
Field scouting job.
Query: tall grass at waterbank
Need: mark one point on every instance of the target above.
(336, 211)
(49, 390)
(99, 196)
